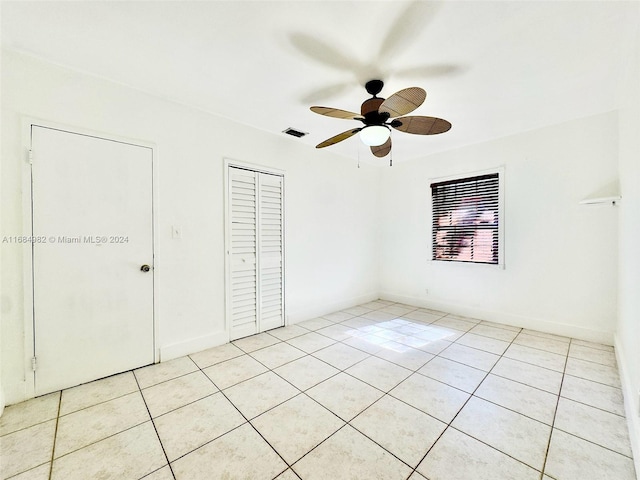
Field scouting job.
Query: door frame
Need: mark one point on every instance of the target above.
(228, 162)
(27, 228)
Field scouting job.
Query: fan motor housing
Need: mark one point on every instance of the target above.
(371, 105)
(369, 110)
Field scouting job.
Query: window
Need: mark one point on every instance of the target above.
(466, 219)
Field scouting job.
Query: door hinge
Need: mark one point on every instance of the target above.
(34, 364)
(30, 157)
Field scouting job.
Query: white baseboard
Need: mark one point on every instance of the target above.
(317, 310)
(631, 406)
(531, 323)
(180, 349)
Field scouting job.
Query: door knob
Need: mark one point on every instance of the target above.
(145, 268)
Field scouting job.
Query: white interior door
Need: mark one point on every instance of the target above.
(255, 281)
(93, 233)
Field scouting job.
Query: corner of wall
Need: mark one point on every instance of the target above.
(631, 401)
(628, 331)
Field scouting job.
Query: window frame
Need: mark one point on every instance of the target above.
(501, 217)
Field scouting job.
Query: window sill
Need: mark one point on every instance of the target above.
(493, 266)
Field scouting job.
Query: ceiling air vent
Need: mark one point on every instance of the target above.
(294, 133)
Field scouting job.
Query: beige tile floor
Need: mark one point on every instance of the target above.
(378, 391)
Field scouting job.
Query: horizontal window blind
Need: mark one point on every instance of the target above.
(466, 219)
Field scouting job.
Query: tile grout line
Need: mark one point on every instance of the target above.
(593, 361)
(109, 399)
(247, 421)
(384, 394)
(98, 441)
(490, 372)
(55, 435)
(439, 381)
(593, 406)
(555, 414)
(594, 443)
(348, 422)
(155, 429)
(482, 398)
(323, 441)
(304, 392)
(178, 408)
(388, 394)
(586, 404)
(449, 425)
(556, 371)
(340, 370)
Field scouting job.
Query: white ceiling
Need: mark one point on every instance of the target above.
(491, 68)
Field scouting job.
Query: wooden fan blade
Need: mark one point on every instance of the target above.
(405, 29)
(323, 52)
(382, 150)
(338, 138)
(421, 125)
(336, 113)
(403, 102)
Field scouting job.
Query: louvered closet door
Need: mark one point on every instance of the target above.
(270, 252)
(243, 288)
(255, 291)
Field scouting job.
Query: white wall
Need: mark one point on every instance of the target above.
(628, 328)
(560, 257)
(567, 285)
(330, 207)
(2, 398)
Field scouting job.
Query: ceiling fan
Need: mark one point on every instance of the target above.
(378, 114)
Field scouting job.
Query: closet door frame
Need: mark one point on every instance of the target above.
(227, 235)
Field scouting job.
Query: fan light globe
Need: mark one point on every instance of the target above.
(375, 135)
